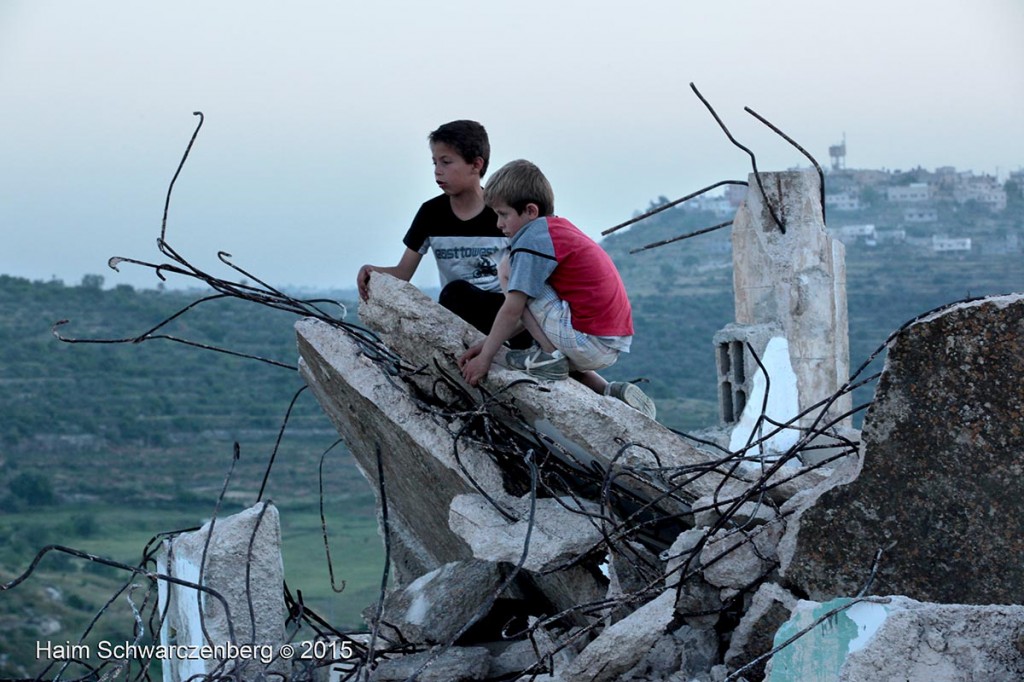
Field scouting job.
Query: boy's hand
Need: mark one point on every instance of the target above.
(363, 281)
(476, 361)
(474, 366)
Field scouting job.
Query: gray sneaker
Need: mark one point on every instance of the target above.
(632, 396)
(537, 363)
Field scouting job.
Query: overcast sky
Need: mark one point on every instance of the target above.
(313, 158)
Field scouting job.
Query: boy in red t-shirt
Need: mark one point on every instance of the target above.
(561, 286)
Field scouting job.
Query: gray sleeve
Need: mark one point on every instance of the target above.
(532, 260)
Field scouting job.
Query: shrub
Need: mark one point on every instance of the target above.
(33, 488)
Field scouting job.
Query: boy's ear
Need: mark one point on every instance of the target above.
(532, 210)
(478, 164)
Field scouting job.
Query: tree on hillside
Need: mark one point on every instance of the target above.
(92, 281)
(33, 489)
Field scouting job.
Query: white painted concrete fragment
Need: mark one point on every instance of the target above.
(782, 406)
(869, 617)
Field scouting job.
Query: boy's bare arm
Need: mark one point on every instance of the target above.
(476, 361)
(405, 269)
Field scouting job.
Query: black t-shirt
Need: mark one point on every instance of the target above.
(464, 249)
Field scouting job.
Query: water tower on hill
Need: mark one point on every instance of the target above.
(837, 152)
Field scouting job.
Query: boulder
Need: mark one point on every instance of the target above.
(939, 488)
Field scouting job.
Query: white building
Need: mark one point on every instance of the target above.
(850, 233)
(920, 214)
(984, 189)
(891, 236)
(842, 201)
(944, 244)
(720, 205)
(915, 191)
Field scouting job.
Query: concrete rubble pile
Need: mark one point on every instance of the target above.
(540, 531)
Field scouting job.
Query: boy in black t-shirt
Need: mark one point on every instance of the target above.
(459, 227)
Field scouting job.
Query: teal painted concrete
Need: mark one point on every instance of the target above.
(818, 655)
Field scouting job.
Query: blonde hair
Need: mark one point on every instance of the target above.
(519, 183)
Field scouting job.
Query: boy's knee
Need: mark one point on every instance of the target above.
(453, 293)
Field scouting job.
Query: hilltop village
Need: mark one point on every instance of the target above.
(940, 211)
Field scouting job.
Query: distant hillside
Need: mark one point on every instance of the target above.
(154, 393)
(160, 392)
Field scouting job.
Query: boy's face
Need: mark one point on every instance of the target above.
(453, 174)
(510, 221)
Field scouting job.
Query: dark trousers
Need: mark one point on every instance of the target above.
(479, 308)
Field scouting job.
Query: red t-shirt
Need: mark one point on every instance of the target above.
(554, 251)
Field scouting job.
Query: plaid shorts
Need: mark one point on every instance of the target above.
(585, 352)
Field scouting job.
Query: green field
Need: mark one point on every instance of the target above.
(57, 602)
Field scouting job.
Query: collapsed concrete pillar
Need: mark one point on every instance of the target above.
(592, 428)
(790, 297)
(422, 471)
(242, 563)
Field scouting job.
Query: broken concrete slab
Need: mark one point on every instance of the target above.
(683, 655)
(238, 557)
(433, 608)
(370, 408)
(562, 530)
(818, 638)
(738, 557)
(940, 483)
(620, 646)
(896, 638)
(769, 608)
(592, 428)
(925, 642)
